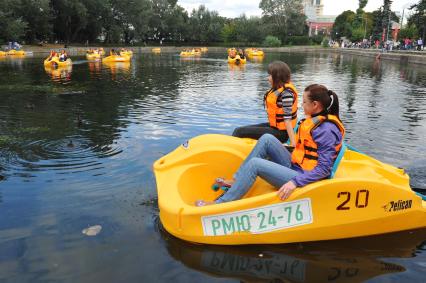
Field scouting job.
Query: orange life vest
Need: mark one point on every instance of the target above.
(274, 109)
(305, 154)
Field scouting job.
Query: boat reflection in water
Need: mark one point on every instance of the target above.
(255, 59)
(236, 67)
(349, 260)
(59, 74)
(95, 68)
(117, 68)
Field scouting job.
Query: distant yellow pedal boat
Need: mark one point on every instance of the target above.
(126, 53)
(116, 58)
(254, 52)
(156, 50)
(364, 197)
(93, 56)
(54, 62)
(16, 52)
(237, 60)
(192, 53)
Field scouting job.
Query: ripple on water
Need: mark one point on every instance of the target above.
(68, 155)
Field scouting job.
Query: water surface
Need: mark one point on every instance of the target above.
(77, 145)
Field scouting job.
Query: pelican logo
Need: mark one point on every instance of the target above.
(185, 144)
(398, 205)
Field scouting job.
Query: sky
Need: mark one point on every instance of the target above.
(235, 8)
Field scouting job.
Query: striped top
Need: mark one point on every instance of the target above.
(285, 100)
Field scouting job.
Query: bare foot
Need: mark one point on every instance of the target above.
(203, 202)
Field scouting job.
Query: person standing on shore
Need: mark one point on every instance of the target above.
(419, 44)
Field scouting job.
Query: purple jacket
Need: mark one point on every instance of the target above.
(326, 136)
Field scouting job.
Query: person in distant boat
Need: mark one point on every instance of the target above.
(241, 54)
(232, 53)
(112, 52)
(281, 107)
(319, 139)
(51, 55)
(63, 56)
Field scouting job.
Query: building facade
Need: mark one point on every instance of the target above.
(318, 22)
(313, 8)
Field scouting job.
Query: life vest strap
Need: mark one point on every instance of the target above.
(313, 149)
(293, 116)
(308, 156)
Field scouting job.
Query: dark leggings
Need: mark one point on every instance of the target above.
(256, 131)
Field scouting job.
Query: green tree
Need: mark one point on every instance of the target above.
(248, 29)
(38, 15)
(271, 41)
(130, 19)
(285, 17)
(360, 14)
(70, 19)
(229, 32)
(343, 25)
(99, 17)
(381, 20)
(178, 24)
(206, 26)
(410, 31)
(13, 26)
(419, 18)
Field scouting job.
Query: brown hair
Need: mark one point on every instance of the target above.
(326, 97)
(280, 73)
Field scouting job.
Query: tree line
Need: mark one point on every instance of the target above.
(358, 25)
(146, 21)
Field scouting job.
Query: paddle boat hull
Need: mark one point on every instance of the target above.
(116, 58)
(126, 53)
(93, 56)
(254, 52)
(236, 60)
(16, 52)
(54, 62)
(365, 197)
(156, 50)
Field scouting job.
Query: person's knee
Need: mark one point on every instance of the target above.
(267, 138)
(254, 164)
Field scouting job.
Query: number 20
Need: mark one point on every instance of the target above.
(360, 201)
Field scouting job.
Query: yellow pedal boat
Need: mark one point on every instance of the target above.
(16, 52)
(116, 58)
(254, 52)
(364, 197)
(156, 50)
(126, 53)
(54, 62)
(2, 53)
(237, 60)
(190, 53)
(93, 56)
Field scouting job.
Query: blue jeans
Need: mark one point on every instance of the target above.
(276, 171)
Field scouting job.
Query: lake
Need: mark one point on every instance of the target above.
(77, 146)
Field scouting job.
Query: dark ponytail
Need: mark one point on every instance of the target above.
(327, 98)
(333, 107)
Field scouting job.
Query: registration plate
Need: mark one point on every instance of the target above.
(259, 220)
